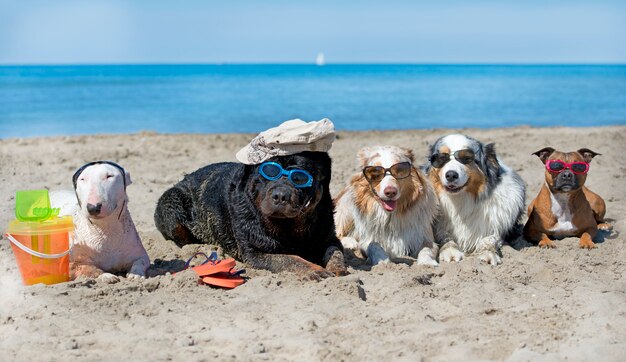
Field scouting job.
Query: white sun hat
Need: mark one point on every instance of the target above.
(291, 137)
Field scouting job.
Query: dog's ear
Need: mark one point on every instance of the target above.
(432, 150)
(409, 154)
(242, 176)
(76, 175)
(127, 180)
(493, 166)
(362, 156)
(544, 153)
(324, 166)
(588, 154)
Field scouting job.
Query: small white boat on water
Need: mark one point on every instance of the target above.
(320, 59)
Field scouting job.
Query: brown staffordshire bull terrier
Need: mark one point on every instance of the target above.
(564, 206)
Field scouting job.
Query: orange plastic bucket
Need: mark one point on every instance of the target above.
(42, 249)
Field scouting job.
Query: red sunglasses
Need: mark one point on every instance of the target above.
(559, 166)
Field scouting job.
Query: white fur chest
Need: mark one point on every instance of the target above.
(398, 234)
(559, 205)
(109, 245)
(468, 220)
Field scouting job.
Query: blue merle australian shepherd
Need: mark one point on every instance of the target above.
(481, 199)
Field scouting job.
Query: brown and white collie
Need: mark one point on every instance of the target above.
(387, 209)
(481, 200)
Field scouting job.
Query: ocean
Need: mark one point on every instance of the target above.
(69, 100)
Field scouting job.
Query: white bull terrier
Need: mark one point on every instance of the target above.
(106, 240)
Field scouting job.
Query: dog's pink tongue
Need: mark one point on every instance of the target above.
(389, 205)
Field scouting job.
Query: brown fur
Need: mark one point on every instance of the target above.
(307, 270)
(587, 208)
(366, 199)
(365, 213)
(365, 156)
(412, 187)
(433, 175)
(334, 262)
(363, 194)
(477, 180)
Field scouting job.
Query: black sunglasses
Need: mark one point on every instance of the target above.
(465, 157)
(376, 173)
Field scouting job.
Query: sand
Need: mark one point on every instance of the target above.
(565, 303)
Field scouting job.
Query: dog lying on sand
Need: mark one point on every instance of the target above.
(481, 199)
(387, 209)
(565, 206)
(105, 240)
(272, 211)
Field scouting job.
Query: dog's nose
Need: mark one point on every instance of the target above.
(281, 195)
(452, 176)
(94, 209)
(391, 192)
(567, 175)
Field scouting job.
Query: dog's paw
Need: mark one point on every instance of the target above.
(490, 257)
(377, 260)
(339, 270)
(605, 226)
(108, 278)
(314, 272)
(450, 255)
(586, 243)
(427, 261)
(318, 275)
(426, 257)
(349, 243)
(134, 276)
(376, 255)
(334, 262)
(547, 243)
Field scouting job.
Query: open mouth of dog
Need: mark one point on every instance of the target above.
(388, 205)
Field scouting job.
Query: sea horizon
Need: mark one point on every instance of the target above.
(442, 63)
(72, 99)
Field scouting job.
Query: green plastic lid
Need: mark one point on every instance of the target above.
(33, 205)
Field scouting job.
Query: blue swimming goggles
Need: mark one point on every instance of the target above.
(273, 171)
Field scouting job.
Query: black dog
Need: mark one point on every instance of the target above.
(268, 224)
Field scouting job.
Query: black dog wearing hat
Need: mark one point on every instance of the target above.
(273, 212)
(270, 224)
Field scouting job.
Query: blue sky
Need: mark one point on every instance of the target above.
(271, 31)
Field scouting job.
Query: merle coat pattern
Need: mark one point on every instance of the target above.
(232, 205)
(480, 202)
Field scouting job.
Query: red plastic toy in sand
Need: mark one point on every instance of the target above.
(217, 273)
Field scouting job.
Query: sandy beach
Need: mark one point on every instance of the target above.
(564, 303)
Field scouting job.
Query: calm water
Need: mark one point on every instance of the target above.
(60, 100)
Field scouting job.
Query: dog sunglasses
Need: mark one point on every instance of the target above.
(438, 160)
(376, 173)
(273, 171)
(559, 166)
